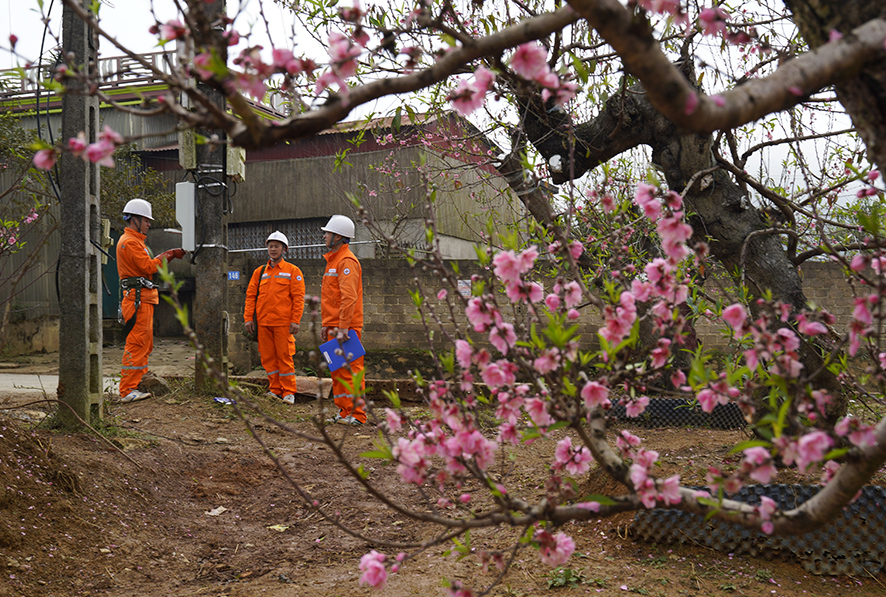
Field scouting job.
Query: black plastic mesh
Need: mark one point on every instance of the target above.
(680, 412)
(854, 543)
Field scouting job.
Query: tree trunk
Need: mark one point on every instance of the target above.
(721, 212)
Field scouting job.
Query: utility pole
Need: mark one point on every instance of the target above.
(79, 267)
(211, 192)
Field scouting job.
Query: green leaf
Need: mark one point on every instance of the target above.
(603, 500)
(383, 449)
(749, 444)
(393, 396)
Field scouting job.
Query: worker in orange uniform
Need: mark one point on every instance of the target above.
(280, 288)
(341, 308)
(136, 267)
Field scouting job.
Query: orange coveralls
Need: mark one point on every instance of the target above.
(281, 301)
(341, 306)
(134, 260)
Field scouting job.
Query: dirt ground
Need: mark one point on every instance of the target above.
(186, 503)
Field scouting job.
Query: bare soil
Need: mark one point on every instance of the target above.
(187, 503)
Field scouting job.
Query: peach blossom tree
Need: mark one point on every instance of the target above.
(581, 84)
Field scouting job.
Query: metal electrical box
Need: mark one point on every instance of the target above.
(184, 213)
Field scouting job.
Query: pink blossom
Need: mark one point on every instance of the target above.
(498, 374)
(530, 60)
(674, 233)
(735, 316)
(861, 312)
(45, 159)
(648, 202)
(172, 30)
(342, 54)
(507, 266)
(810, 328)
(861, 435)
(834, 35)
(477, 314)
(859, 262)
(592, 506)
(503, 337)
(526, 258)
(576, 249)
(636, 407)
(442, 294)
(553, 302)
(466, 99)
(413, 466)
(483, 78)
(373, 568)
(77, 145)
(202, 64)
(395, 422)
(508, 432)
(759, 461)
(572, 314)
(595, 395)
(463, 352)
(708, 399)
(285, 61)
(576, 462)
(537, 409)
(557, 550)
(718, 100)
(811, 448)
(674, 200)
(669, 490)
(252, 85)
(619, 320)
(101, 153)
(547, 361)
(713, 20)
(661, 353)
(572, 294)
(232, 36)
(534, 292)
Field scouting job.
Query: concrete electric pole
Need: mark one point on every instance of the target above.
(79, 267)
(211, 298)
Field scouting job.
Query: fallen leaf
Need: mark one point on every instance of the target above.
(278, 527)
(217, 511)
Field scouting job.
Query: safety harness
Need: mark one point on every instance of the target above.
(136, 283)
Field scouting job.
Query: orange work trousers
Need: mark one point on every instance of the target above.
(276, 347)
(139, 344)
(349, 399)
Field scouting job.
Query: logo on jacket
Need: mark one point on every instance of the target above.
(347, 271)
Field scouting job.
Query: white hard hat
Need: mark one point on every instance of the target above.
(341, 225)
(138, 207)
(279, 237)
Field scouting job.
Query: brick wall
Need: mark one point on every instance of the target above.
(390, 316)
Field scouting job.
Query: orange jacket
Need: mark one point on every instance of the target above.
(341, 296)
(281, 299)
(134, 260)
